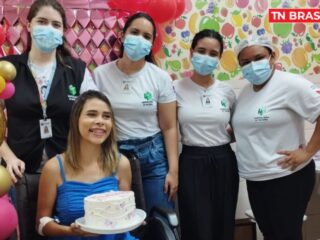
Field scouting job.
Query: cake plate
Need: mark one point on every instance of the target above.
(137, 220)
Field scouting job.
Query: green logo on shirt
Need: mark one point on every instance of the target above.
(224, 103)
(72, 90)
(147, 96)
(263, 115)
(262, 111)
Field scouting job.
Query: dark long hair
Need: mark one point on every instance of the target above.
(207, 33)
(62, 50)
(149, 57)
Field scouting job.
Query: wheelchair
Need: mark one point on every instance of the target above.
(161, 224)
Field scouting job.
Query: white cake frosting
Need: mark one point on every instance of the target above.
(110, 209)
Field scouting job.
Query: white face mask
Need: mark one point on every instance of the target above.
(257, 72)
(136, 47)
(204, 64)
(46, 38)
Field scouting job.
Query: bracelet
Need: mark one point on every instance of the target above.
(42, 222)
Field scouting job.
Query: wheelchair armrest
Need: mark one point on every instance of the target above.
(167, 214)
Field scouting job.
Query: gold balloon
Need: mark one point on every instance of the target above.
(5, 181)
(2, 84)
(7, 70)
(3, 124)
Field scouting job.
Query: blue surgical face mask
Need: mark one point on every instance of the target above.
(136, 47)
(257, 72)
(204, 64)
(46, 38)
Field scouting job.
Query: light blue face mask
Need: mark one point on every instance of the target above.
(257, 72)
(136, 47)
(46, 38)
(204, 64)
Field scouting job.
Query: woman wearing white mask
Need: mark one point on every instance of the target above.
(144, 105)
(48, 81)
(208, 173)
(272, 154)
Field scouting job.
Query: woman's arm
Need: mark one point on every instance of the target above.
(46, 199)
(295, 158)
(15, 165)
(124, 174)
(49, 181)
(168, 125)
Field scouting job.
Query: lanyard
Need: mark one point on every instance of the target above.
(44, 96)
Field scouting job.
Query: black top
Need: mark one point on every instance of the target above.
(24, 109)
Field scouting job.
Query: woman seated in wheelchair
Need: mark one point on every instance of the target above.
(91, 164)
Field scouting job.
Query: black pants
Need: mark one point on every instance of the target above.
(279, 204)
(208, 191)
(26, 194)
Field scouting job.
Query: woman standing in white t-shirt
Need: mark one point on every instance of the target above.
(268, 123)
(144, 105)
(208, 174)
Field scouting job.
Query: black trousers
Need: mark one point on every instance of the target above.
(25, 198)
(208, 192)
(279, 204)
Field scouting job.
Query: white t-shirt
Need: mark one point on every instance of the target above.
(135, 97)
(204, 113)
(44, 74)
(87, 83)
(270, 120)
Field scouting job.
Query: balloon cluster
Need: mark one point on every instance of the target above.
(160, 10)
(8, 214)
(7, 73)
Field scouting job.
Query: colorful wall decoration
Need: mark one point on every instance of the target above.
(297, 44)
(94, 27)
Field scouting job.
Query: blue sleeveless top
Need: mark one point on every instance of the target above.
(69, 203)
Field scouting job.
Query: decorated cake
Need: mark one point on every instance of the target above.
(110, 209)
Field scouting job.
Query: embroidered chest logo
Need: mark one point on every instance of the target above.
(224, 105)
(262, 115)
(72, 92)
(148, 99)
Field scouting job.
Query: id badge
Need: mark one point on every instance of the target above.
(207, 101)
(45, 128)
(126, 87)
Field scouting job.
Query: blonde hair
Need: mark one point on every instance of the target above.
(109, 157)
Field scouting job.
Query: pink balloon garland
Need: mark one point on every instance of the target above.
(9, 218)
(8, 91)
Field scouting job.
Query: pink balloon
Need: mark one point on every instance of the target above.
(6, 197)
(162, 10)
(8, 91)
(180, 7)
(9, 218)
